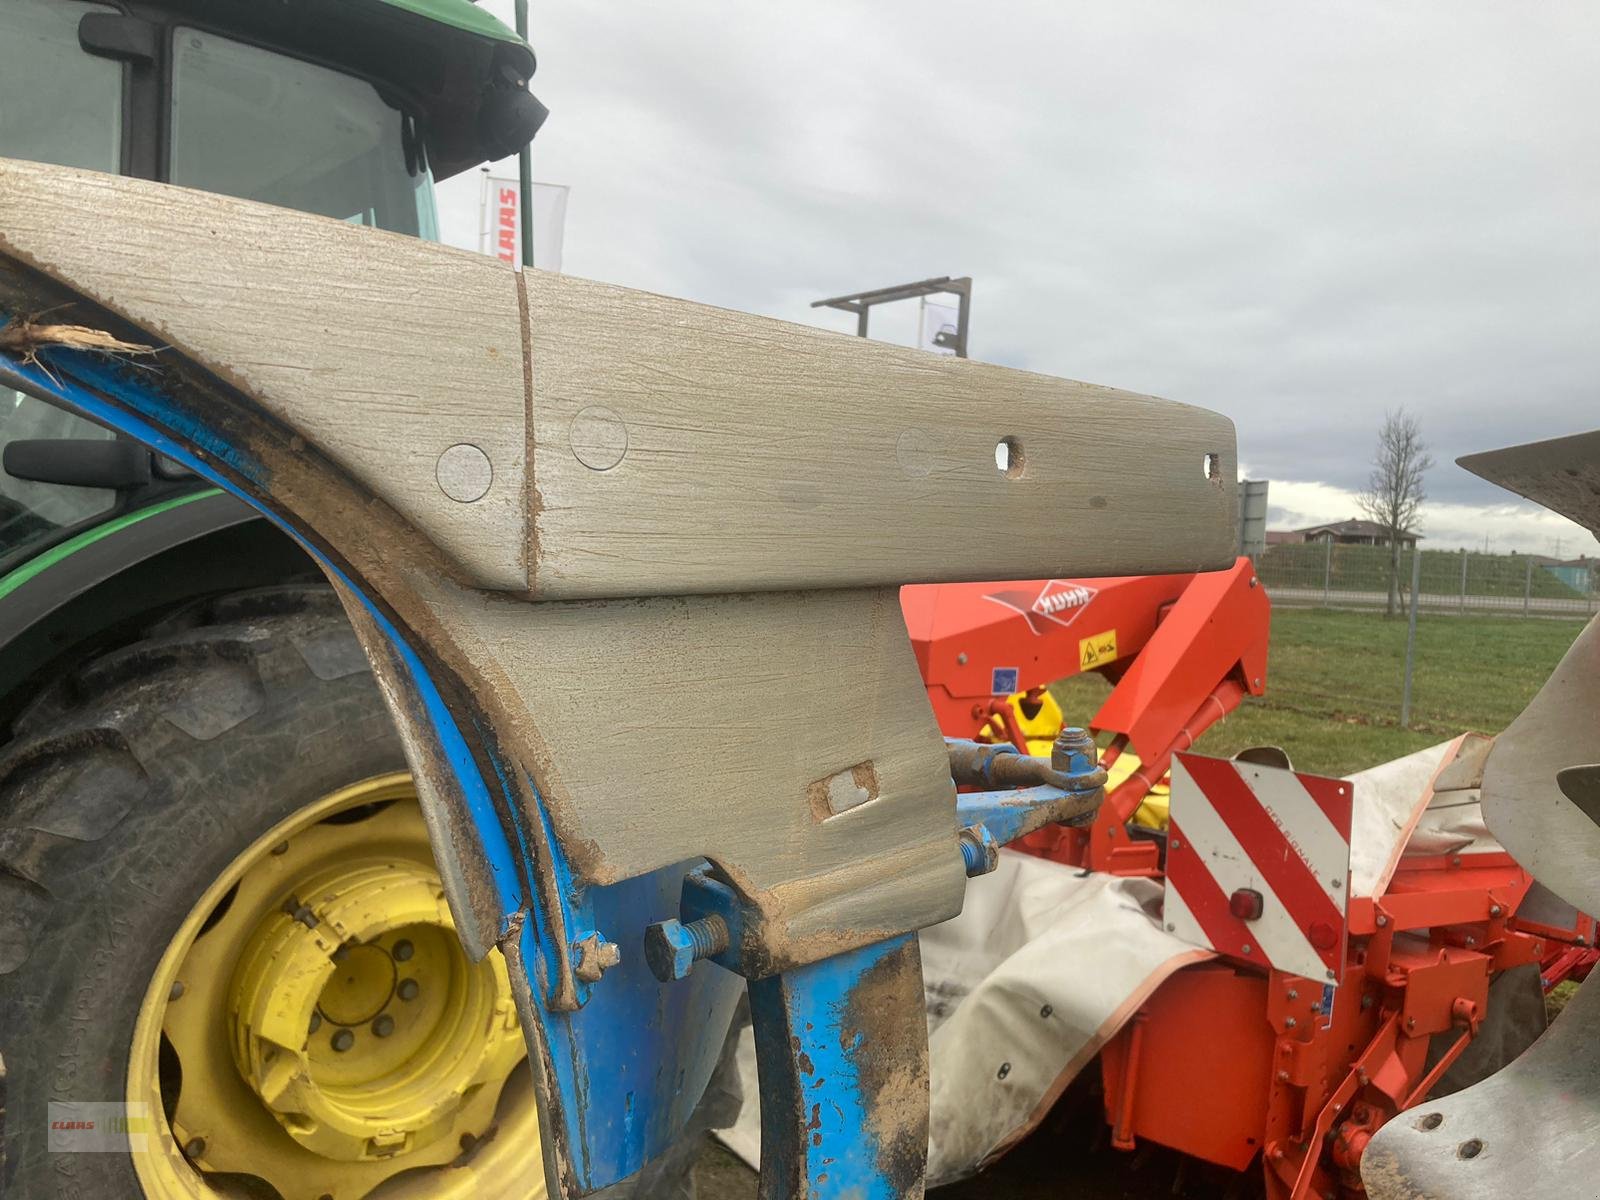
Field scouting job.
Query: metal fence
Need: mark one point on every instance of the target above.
(1448, 581)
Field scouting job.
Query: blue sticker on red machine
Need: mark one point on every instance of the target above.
(1325, 1007)
(1003, 681)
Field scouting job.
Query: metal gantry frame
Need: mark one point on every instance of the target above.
(860, 303)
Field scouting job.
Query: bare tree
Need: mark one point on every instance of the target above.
(1394, 492)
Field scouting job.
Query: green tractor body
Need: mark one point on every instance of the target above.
(347, 108)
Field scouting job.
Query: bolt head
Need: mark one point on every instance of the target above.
(408, 989)
(343, 1040)
(668, 950)
(383, 1026)
(403, 950)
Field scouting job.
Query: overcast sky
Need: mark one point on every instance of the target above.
(1299, 215)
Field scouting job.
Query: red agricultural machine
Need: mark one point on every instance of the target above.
(1295, 1070)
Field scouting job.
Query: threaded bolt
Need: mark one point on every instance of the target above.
(709, 936)
(979, 853)
(671, 947)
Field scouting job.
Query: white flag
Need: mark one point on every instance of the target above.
(500, 221)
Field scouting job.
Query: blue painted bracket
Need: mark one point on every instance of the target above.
(842, 1050)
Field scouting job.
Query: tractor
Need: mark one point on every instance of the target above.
(190, 729)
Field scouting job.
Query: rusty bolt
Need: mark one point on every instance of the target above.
(979, 851)
(593, 956)
(1074, 751)
(671, 947)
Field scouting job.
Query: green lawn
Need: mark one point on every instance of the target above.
(1334, 681)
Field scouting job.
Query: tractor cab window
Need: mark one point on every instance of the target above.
(31, 513)
(251, 123)
(61, 105)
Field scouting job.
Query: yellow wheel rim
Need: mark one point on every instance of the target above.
(316, 1025)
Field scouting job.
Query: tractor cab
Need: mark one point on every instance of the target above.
(350, 109)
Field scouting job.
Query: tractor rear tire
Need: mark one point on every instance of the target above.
(128, 786)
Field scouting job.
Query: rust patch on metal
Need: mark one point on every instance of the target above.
(884, 1024)
(1385, 1179)
(843, 791)
(535, 501)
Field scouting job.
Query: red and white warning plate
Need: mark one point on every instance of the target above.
(1258, 864)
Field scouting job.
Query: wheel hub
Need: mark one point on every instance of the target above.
(318, 1026)
(349, 1066)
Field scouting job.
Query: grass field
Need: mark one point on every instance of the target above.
(1334, 683)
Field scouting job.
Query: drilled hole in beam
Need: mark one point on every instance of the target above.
(1008, 457)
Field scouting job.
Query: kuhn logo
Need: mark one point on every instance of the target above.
(1058, 602)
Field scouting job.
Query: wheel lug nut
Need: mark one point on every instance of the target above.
(408, 989)
(175, 990)
(195, 1147)
(316, 1022)
(343, 1040)
(383, 1026)
(403, 950)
